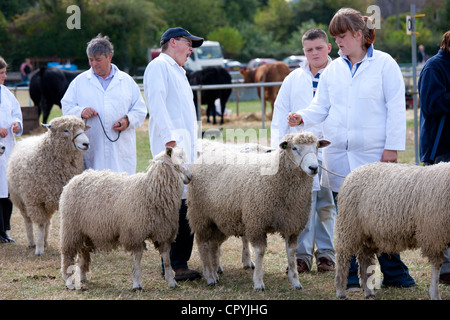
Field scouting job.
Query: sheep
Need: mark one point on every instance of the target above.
(38, 169)
(266, 193)
(105, 209)
(388, 207)
(217, 149)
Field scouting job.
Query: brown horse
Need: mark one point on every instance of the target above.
(271, 72)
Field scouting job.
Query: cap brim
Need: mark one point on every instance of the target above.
(196, 41)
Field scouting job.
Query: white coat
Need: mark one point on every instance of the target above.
(362, 115)
(10, 113)
(122, 97)
(170, 101)
(295, 93)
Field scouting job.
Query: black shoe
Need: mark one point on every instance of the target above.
(5, 237)
(3, 240)
(184, 274)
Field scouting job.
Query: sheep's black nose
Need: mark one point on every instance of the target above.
(313, 169)
(86, 145)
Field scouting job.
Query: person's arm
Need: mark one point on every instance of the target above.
(434, 98)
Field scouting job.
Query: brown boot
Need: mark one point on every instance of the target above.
(325, 264)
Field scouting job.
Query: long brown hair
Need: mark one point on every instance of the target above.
(348, 19)
(3, 63)
(445, 44)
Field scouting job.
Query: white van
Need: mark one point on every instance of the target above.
(207, 55)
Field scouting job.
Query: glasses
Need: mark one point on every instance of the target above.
(187, 41)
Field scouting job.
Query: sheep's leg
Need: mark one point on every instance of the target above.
(205, 256)
(40, 239)
(434, 285)
(215, 253)
(169, 274)
(84, 260)
(247, 254)
(68, 267)
(29, 230)
(342, 268)
(260, 249)
(46, 232)
(365, 260)
(137, 257)
(291, 247)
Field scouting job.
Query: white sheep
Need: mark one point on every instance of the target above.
(216, 149)
(387, 207)
(105, 209)
(38, 169)
(258, 193)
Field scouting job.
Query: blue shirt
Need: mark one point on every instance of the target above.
(106, 81)
(354, 68)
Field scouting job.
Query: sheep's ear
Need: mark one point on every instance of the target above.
(48, 126)
(283, 145)
(169, 151)
(323, 143)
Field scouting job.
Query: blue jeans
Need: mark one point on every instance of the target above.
(181, 249)
(394, 271)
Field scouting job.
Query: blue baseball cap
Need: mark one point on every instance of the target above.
(180, 33)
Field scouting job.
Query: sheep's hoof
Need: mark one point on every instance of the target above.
(297, 287)
(341, 296)
(370, 297)
(250, 266)
(31, 246)
(261, 288)
(137, 288)
(173, 286)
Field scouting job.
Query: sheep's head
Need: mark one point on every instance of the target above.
(2, 149)
(177, 159)
(71, 129)
(302, 149)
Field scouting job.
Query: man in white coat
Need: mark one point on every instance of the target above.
(173, 122)
(10, 126)
(297, 92)
(111, 103)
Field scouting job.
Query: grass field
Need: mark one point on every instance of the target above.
(24, 276)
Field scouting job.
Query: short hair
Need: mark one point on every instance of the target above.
(313, 34)
(3, 63)
(347, 19)
(100, 45)
(445, 44)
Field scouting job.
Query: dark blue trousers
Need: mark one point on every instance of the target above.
(181, 249)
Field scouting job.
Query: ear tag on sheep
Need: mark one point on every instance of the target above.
(169, 152)
(284, 145)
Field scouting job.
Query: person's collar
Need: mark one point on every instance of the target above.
(369, 54)
(305, 65)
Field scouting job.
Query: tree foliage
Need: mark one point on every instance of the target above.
(245, 28)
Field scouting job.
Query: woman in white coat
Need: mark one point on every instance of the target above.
(361, 102)
(112, 104)
(10, 126)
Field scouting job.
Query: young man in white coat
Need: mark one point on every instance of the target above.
(361, 102)
(297, 92)
(112, 104)
(10, 126)
(173, 122)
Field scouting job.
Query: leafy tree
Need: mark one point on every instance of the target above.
(229, 38)
(275, 18)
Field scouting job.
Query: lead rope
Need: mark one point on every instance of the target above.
(104, 131)
(338, 175)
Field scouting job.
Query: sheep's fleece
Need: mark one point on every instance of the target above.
(38, 169)
(388, 207)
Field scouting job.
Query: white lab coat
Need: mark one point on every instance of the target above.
(295, 93)
(10, 113)
(171, 107)
(122, 97)
(362, 115)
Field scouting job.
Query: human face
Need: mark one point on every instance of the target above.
(2, 75)
(350, 44)
(316, 51)
(182, 50)
(101, 64)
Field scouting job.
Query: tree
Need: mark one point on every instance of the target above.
(275, 18)
(229, 38)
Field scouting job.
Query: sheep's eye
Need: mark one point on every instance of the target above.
(294, 148)
(66, 132)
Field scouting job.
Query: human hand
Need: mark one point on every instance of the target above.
(389, 156)
(88, 113)
(171, 144)
(294, 119)
(122, 124)
(3, 132)
(15, 127)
